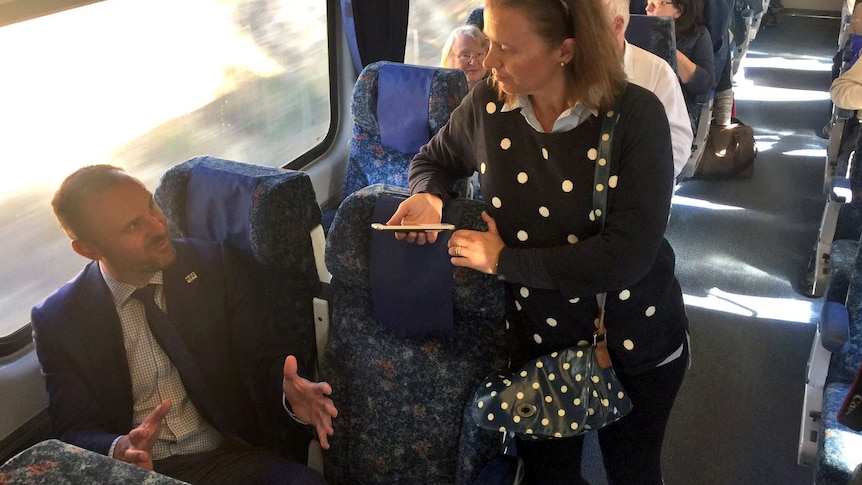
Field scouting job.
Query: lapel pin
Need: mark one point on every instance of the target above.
(191, 277)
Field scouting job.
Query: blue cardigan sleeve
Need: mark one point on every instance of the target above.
(698, 49)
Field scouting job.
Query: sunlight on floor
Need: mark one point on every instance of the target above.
(765, 142)
(745, 89)
(806, 152)
(759, 59)
(784, 309)
(679, 200)
(750, 92)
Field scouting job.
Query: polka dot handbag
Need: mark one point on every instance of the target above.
(558, 395)
(571, 391)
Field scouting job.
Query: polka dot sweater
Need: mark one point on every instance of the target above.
(539, 189)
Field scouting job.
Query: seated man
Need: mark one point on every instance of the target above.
(182, 393)
(654, 73)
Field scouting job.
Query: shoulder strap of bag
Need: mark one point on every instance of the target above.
(600, 183)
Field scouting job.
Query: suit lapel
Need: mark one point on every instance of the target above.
(183, 287)
(101, 335)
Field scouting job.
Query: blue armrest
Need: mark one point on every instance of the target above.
(834, 327)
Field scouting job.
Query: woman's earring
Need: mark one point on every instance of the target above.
(562, 64)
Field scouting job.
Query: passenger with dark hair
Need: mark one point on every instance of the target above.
(465, 49)
(695, 60)
(532, 134)
(157, 353)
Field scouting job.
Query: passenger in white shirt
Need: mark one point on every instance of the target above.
(654, 73)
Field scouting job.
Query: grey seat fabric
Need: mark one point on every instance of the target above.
(835, 359)
(654, 34)
(401, 399)
(53, 461)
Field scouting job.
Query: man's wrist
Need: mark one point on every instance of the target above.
(112, 451)
(289, 411)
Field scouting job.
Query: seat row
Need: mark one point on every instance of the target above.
(835, 274)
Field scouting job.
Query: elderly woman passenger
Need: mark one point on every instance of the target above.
(465, 49)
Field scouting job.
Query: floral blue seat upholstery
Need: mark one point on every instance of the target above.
(476, 17)
(372, 161)
(653, 34)
(840, 448)
(272, 218)
(401, 398)
(53, 462)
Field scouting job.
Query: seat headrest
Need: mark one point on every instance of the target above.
(255, 208)
(403, 93)
(476, 17)
(411, 284)
(446, 90)
(219, 206)
(348, 249)
(654, 34)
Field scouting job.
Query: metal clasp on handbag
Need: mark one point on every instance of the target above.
(601, 325)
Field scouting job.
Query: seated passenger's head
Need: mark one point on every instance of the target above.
(687, 14)
(563, 49)
(465, 49)
(111, 218)
(618, 13)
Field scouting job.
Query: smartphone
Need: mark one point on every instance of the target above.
(414, 228)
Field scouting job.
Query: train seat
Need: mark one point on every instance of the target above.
(653, 34)
(396, 109)
(841, 224)
(476, 17)
(836, 355)
(831, 257)
(271, 217)
(657, 34)
(52, 461)
(403, 380)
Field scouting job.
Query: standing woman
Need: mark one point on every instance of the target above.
(465, 49)
(532, 134)
(694, 57)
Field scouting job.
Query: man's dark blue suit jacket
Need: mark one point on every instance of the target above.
(79, 343)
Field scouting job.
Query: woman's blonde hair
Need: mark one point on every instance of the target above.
(595, 73)
(469, 30)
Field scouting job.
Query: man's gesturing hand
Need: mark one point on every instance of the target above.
(137, 446)
(309, 401)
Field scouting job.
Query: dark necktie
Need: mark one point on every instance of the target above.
(171, 342)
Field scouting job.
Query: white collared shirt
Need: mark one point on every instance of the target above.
(567, 120)
(651, 72)
(154, 378)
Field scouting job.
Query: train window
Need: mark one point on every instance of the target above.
(429, 24)
(145, 84)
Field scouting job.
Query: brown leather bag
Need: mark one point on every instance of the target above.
(730, 152)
